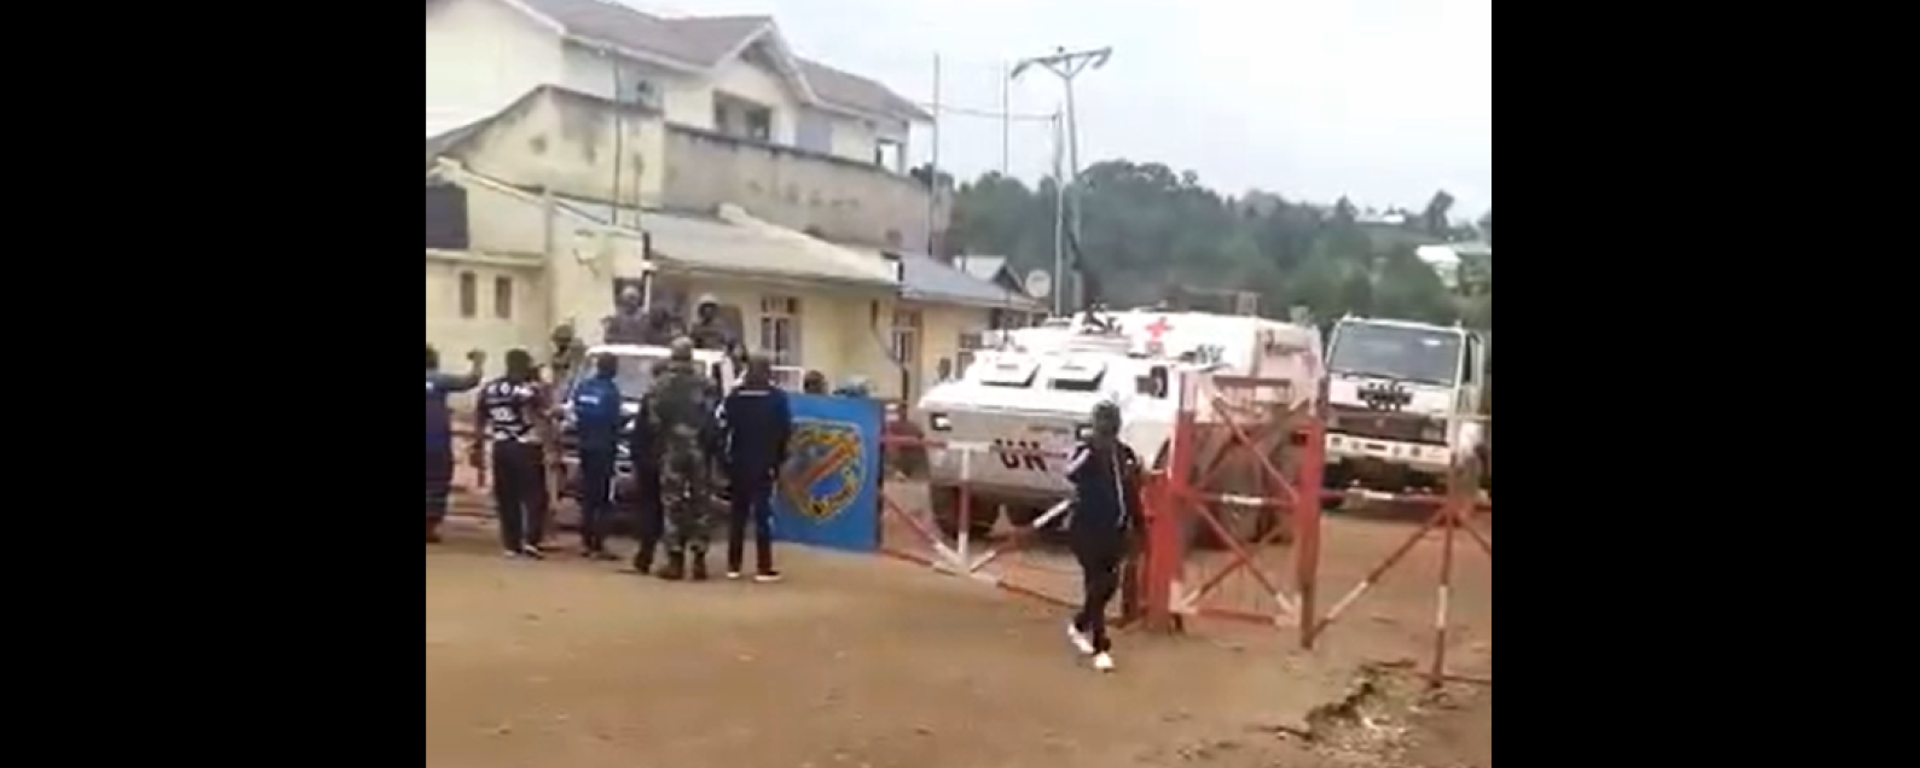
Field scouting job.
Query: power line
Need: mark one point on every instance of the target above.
(994, 114)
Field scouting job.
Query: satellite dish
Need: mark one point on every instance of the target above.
(1039, 283)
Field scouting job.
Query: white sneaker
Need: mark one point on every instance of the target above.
(1080, 641)
(733, 575)
(1103, 662)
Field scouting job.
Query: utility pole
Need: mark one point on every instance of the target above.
(1006, 121)
(1067, 65)
(933, 164)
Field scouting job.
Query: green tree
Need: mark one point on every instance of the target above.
(1147, 229)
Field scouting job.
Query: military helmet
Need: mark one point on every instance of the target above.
(706, 299)
(681, 351)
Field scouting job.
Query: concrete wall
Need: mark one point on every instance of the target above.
(481, 56)
(567, 143)
(847, 201)
(454, 334)
(942, 325)
(838, 336)
(687, 99)
(562, 268)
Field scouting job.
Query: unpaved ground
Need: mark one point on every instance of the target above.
(855, 661)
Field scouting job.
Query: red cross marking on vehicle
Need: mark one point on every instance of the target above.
(1159, 326)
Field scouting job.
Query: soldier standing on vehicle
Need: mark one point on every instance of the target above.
(512, 417)
(1106, 480)
(568, 354)
(681, 414)
(629, 323)
(440, 433)
(596, 416)
(708, 330)
(755, 423)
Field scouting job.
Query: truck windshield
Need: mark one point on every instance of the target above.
(1428, 356)
(633, 378)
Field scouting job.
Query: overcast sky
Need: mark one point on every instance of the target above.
(1382, 100)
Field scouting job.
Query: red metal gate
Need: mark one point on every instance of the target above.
(1200, 565)
(1019, 557)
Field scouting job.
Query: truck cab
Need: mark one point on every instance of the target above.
(1400, 401)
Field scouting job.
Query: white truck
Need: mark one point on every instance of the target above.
(1010, 419)
(1400, 400)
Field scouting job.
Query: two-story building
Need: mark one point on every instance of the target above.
(733, 114)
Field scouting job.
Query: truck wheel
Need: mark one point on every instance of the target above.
(981, 516)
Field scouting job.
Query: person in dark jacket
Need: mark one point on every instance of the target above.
(597, 415)
(512, 418)
(649, 519)
(755, 424)
(1106, 512)
(440, 433)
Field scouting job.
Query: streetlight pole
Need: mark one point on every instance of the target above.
(1067, 65)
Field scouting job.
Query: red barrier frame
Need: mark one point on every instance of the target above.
(1179, 494)
(956, 557)
(1172, 495)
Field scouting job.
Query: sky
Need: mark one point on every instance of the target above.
(1384, 101)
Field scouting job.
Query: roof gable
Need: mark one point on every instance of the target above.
(698, 44)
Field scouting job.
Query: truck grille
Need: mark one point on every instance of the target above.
(1380, 425)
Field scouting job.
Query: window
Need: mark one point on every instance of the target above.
(503, 298)
(780, 329)
(469, 295)
(760, 124)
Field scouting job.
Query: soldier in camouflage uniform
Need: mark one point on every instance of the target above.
(629, 323)
(568, 355)
(708, 330)
(680, 416)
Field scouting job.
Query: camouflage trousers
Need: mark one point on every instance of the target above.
(686, 499)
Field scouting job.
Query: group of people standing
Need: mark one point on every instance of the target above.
(684, 431)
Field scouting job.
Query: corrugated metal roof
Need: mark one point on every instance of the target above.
(982, 267)
(702, 41)
(927, 279)
(748, 248)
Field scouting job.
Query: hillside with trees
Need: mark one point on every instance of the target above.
(1148, 233)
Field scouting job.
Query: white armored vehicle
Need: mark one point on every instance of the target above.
(1009, 421)
(1399, 398)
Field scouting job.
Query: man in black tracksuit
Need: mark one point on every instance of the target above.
(1106, 480)
(755, 424)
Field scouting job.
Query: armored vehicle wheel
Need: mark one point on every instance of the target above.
(981, 516)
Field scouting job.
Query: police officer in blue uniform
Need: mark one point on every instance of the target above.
(596, 417)
(511, 418)
(1105, 474)
(440, 433)
(755, 424)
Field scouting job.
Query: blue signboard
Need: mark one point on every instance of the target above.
(828, 494)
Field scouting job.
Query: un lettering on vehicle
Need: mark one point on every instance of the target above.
(1020, 454)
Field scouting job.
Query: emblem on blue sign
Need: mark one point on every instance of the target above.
(825, 469)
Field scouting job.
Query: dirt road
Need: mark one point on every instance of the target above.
(856, 661)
